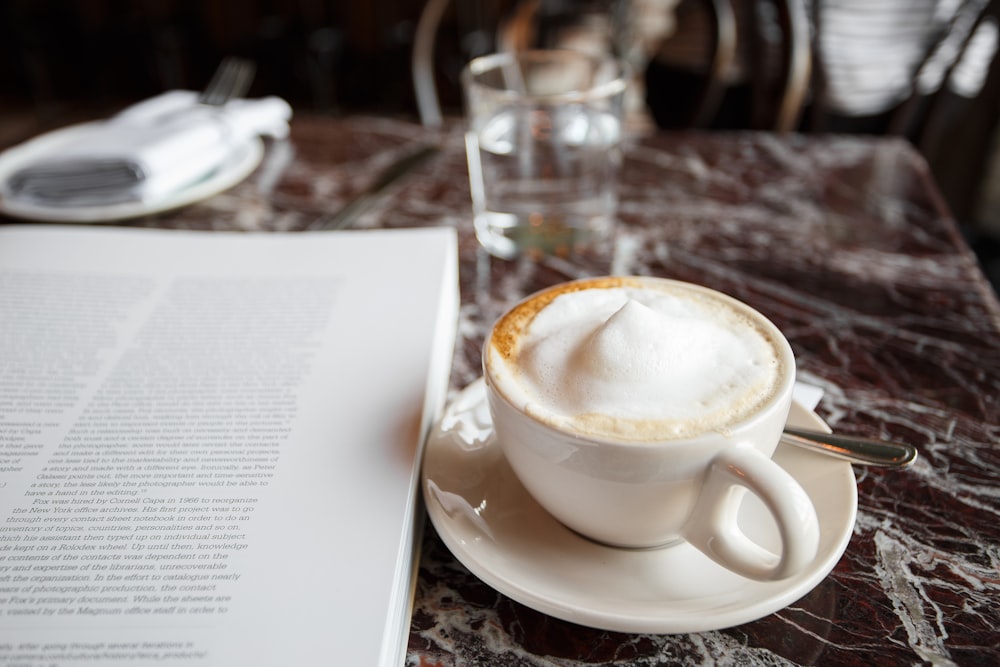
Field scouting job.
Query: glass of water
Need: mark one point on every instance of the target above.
(544, 149)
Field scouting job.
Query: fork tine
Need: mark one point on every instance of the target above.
(218, 82)
(231, 79)
(243, 78)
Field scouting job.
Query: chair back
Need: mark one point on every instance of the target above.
(733, 63)
(449, 33)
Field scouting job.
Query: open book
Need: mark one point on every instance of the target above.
(209, 442)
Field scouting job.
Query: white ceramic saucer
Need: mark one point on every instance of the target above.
(501, 535)
(237, 167)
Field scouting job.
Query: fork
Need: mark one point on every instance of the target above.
(231, 79)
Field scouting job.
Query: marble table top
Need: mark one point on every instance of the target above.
(844, 243)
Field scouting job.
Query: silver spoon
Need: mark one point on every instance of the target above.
(853, 449)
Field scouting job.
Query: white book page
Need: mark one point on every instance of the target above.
(208, 442)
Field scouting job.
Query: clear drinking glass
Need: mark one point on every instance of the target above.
(544, 149)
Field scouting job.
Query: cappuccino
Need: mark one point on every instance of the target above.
(637, 359)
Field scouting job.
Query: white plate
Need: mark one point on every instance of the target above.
(496, 530)
(237, 167)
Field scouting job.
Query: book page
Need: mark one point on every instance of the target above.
(208, 442)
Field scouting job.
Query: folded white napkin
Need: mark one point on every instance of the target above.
(145, 152)
(807, 395)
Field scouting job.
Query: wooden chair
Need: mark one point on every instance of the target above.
(950, 112)
(424, 77)
(757, 57)
(449, 34)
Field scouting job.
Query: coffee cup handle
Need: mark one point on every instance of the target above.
(712, 527)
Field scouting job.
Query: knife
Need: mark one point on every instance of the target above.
(366, 199)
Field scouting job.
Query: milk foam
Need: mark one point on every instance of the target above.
(639, 363)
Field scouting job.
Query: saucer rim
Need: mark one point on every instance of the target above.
(237, 166)
(776, 595)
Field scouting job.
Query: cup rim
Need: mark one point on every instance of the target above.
(779, 400)
(606, 89)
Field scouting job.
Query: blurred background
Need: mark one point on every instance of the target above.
(723, 64)
(327, 56)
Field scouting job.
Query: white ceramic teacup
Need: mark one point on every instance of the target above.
(637, 411)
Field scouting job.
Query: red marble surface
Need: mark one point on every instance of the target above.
(845, 244)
